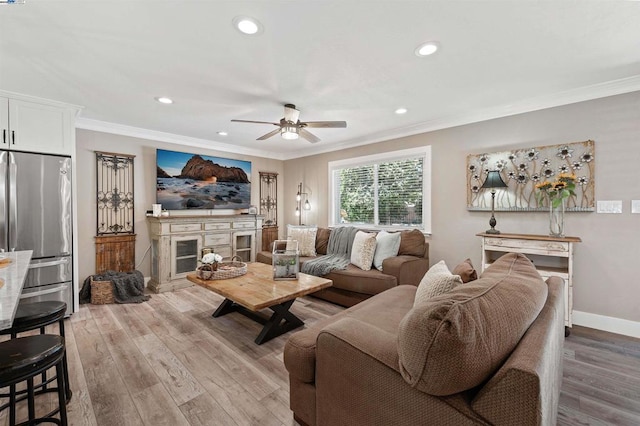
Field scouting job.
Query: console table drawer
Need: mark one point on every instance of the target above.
(556, 248)
(244, 225)
(185, 227)
(217, 226)
(217, 240)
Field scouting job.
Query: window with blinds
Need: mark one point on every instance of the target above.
(386, 191)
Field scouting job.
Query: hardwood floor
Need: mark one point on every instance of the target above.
(168, 362)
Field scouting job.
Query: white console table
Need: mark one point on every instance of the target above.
(177, 241)
(552, 256)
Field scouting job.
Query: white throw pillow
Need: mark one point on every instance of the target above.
(363, 249)
(438, 280)
(387, 245)
(306, 238)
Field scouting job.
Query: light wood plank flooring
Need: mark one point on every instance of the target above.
(168, 362)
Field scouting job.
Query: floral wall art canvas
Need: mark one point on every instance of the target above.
(523, 169)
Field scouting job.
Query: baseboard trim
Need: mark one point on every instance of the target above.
(604, 323)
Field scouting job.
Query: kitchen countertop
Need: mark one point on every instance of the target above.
(13, 277)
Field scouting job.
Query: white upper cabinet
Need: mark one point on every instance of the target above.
(33, 126)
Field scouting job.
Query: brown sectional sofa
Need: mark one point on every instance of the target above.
(487, 353)
(353, 285)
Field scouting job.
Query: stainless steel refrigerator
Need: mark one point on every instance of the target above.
(36, 214)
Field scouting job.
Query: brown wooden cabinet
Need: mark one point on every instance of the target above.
(115, 253)
(269, 235)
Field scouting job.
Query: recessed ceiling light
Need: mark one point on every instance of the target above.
(247, 25)
(400, 111)
(164, 100)
(222, 133)
(426, 49)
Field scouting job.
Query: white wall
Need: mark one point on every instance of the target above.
(87, 142)
(606, 261)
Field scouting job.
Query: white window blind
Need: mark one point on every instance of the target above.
(389, 190)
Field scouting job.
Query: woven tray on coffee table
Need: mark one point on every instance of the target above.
(226, 269)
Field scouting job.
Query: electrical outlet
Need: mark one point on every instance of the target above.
(609, 206)
(635, 206)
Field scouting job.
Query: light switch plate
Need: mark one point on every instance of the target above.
(609, 206)
(635, 206)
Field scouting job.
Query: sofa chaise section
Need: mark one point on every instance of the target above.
(346, 370)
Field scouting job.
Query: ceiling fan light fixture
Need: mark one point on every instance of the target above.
(289, 132)
(247, 25)
(426, 49)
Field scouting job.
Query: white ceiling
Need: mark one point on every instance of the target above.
(346, 60)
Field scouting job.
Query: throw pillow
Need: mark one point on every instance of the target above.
(322, 240)
(363, 249)
(387, 245)
(438, 280)
(306, 237)
(466, 271)
(412, 243)
(457, 340)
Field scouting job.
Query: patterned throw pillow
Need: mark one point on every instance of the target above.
(363, 249)
(438, 280)
(387, 245)
(306, 237)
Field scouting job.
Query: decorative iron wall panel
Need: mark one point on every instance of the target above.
(269, 197)
(523, 169)
(115, 213)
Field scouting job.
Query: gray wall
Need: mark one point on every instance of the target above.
(605, 280)
(87, 142)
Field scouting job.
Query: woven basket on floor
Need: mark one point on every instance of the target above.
(101, 292)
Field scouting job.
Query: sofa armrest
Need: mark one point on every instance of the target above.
(525, 390)
(407, 269)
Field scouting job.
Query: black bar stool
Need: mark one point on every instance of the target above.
(22, 359)
(38, 315)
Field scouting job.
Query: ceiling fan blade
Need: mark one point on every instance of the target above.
(257, 122)
(325, 124)
(291, 113)
(268, 135)
(309, 136)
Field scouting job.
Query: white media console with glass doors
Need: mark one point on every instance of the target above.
(177, 241)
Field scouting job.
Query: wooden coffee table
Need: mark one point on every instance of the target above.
(257, 290)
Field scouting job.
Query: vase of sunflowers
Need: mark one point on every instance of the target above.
(556, 193)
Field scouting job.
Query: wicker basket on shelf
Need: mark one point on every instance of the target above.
(101, 292)
(228, 269)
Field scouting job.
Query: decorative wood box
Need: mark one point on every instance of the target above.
(115, 253)
(269, 235)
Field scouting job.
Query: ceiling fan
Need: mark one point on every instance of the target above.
(290, 127)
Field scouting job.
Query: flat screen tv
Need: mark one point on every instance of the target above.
(196, 181)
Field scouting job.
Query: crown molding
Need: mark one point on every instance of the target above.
(581, 94)
(50, 102)
(154, 135)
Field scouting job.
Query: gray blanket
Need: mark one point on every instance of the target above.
(338, 253)
(128, 287)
